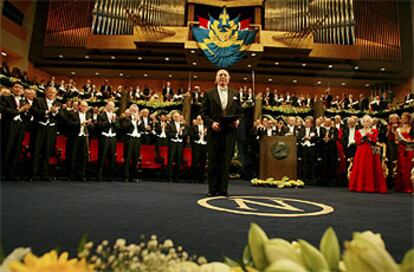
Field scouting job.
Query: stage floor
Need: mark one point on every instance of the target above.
(45, 215)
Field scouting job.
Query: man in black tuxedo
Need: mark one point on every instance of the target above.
(160, 129)
(291, 128)
(195, 95)
(145, 127)
(329, 152)
(267, 97)
(176, 132)
(307, 138)
(348, 138)
(363, 103)
(106, 89)
(221, 137)
(108, 126)
(13, 111)
(47, 115)
(80, 122)
(132, 143)
(199, 149)
(167, 92)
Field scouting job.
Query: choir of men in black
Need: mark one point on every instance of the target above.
(316, 142)
(45, 118)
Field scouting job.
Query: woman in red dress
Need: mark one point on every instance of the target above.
(367, 174)
(405, 155)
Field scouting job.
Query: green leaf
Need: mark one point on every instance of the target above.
(247, 257)
(231, 262)
(257, 239)
(83, 240)
(314, 260)
(407, 264)
(329, 247)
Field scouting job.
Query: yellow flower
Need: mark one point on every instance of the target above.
(50, 262)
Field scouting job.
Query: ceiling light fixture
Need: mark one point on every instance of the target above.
(303, 64)
(167, 59)
(112, 57)
(276, 63)
(330, 66)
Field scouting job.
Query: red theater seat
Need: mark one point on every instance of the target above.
(93, 151)
(187, 157)
(119, 153)
(148, 157)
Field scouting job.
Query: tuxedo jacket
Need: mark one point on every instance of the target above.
(166, 92)
(172, 131)
(9, 108)
(127, 126)
(211, 110)
(332, 134)
(142, 125)
(345, 136)
(39, 108)
(74, 122)
(104, 125)
(312, 134)
(195, 133)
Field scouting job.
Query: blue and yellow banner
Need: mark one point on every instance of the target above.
(223, 41)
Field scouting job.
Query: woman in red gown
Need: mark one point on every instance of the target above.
(367, 174)
(405, 155)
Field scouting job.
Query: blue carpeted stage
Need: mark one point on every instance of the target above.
(45, 215)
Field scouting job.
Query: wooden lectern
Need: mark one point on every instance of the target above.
(278, 157)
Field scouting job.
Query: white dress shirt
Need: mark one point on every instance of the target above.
(223, 97)
(135, 132)
(351, 136)
(82, 118)
(110, 133)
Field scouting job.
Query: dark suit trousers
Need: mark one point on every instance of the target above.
(159, 142)
(12, 148)
(132, 148)
(107, 150)
(175, 153)
(308, 162)
(329, 161)
(199, 153)
(45, 142)
(220, 149)
(146, 139)
(79, 158)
